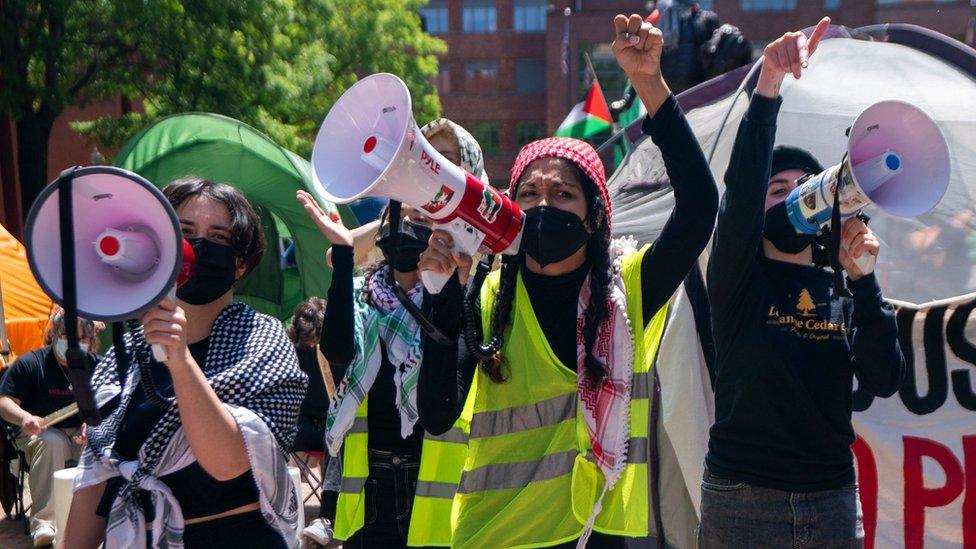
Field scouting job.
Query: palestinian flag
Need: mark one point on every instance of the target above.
(587, 118)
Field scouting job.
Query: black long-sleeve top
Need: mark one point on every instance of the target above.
(787, 348)
(338, 345)
(448, 371)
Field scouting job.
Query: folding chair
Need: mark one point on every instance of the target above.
(309, 475)
(16, 469)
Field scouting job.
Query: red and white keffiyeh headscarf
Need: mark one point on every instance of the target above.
(606, 407)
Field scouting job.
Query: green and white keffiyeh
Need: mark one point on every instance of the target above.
(379, 319)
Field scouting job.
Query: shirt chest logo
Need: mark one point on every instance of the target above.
(806, 320)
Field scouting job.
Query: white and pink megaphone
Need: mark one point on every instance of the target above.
(897, 159)
(370, 145)
(129, 251)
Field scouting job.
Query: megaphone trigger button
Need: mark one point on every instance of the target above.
(369, 144)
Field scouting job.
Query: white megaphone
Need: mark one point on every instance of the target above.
(128, 246)
(370, 145)
(897, 159)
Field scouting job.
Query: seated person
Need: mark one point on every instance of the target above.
(35, 386)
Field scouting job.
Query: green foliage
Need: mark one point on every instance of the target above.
(275, 64)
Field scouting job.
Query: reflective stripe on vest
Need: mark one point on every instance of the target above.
(529, 445)
(441, 460)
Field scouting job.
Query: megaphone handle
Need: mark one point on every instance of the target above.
(866, 262)
(434, 282)
(159, 353)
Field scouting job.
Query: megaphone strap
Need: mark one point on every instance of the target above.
(78, 370)
(840, 286)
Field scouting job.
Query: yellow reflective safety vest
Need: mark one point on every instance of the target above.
(527, 481)
(441, 460)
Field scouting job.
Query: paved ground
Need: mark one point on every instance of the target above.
(12, 531)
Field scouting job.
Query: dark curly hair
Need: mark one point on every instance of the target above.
(306, 322)
(601, 277)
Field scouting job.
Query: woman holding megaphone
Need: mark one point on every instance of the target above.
(558, 395)
(397, 481)
(194, 453)
(779, 468)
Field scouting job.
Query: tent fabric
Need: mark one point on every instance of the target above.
(933, 257)
(228, 151)
(25, 305)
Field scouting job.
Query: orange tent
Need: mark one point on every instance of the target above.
(25, 306)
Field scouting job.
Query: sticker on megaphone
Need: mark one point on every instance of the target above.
(363, 149)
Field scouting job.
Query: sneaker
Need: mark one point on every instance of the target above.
(319, 531)
(43, 536)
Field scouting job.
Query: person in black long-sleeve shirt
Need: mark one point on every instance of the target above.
(553, 178)
(378, 364)
(779, 468)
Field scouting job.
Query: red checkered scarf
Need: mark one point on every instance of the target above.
(606, 407)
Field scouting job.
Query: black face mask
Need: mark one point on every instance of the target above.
(551, 235)
(781, 233)
(413, 241)
(213, 275)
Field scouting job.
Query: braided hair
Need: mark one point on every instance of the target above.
(601, 278)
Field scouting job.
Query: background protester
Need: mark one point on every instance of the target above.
(195, 452)
(779, 467)
(33, 387)
(304, 331)
(572, 321)
(373, 344)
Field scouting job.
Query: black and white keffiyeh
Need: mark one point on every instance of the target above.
(252, 367)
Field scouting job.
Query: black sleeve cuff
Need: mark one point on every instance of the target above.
(445, 307)
(865, 289)
(342, 256)
(763, 110)
(663, 120)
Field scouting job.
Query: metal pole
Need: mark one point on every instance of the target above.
(4, 340)
(566, 46)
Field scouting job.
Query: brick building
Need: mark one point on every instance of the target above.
(503, 75)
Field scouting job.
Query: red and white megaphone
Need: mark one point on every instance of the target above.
(897, 159)
(370, 145)
(129, 249)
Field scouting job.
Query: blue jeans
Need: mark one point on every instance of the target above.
(736, 514)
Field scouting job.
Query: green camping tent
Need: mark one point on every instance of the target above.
(228, 151)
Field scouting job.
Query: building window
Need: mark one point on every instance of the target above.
(435, 17)
(768, 5)
(706, 4)
(530, 75)
(530, 15)
(831, 5)
(481, 76)
(486, 133)
(479, 16)
(527, 132)
(443, 81)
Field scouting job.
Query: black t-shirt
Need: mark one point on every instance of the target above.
(41, 384)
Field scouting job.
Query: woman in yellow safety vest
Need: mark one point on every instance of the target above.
(558, 392)
(397, 483)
